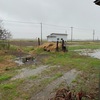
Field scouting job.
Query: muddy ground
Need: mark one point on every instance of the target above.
(40, 80)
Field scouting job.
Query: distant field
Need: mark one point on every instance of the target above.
(25, 42)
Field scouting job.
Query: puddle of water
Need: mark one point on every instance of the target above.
(19, 62)
(25, 60)
(95, 54)
(26, 72)
(45, 93)
(89, 52)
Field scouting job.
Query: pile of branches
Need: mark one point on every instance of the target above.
(65, 94)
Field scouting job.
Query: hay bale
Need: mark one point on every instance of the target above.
(50, 46)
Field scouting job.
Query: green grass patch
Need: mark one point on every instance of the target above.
(9, 90)
(28, 49)
(54, 77)
(13, 47)
(33, 77)
(38, 50)
(73, 60)
(5, 77)
(85, 46)
(7, 86)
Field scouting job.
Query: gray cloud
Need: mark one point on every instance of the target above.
(77, 13)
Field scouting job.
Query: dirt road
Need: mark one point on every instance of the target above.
(68, 77)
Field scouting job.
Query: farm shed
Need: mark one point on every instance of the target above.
(53, 37)
(97, 2)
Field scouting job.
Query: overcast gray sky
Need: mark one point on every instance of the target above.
(84, 15)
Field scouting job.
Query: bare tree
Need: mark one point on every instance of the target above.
(4, 34)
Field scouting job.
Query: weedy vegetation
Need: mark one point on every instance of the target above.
(61, 62)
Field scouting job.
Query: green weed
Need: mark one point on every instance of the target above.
(4, 77)
(48, 80)
(7, 86)
(33, 77)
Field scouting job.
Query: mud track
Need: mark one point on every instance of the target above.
(26, 72)
(45, 93)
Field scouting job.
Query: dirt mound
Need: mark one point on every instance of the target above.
(50, 46)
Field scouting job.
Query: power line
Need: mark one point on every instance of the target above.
(83, 29)
(20, 22)
(55, 25)
(33, 23)
(44, 24)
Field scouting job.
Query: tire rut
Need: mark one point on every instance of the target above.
(45, 93)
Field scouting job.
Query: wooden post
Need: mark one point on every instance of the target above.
(62, 44)
(41, 32)
(38, 41)
(57, 49)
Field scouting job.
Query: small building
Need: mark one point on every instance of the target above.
(53, 37)
(97, 2)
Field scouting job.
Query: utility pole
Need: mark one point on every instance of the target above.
(41, 32)
(66, 33)
(93, 34)
(71, 34)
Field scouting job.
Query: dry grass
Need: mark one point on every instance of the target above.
(5, 62)
(6, 65)
(50, 46)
